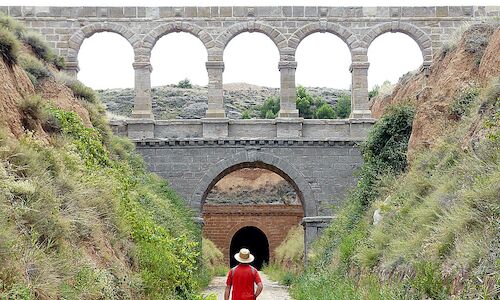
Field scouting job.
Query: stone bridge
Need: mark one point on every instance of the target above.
(317, 157)
(65, 28)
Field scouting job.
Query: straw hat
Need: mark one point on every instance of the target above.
(244, 256)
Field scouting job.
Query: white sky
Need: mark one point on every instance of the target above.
(105, 59)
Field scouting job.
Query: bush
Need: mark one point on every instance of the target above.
(12, 25)
(304, 102)
(460, 106)
(325, 112)
(342, 108)
(270, 108)
(33, 109)
(36, 70)
(9, 46)
(373, 92)
(39, 46)
(82, 91)
(185, 84)
(246, 115)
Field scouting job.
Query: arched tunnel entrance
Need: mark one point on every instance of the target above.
(254, 240)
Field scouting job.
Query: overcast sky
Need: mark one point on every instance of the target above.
(105, 59)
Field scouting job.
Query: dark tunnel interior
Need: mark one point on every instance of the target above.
(254, 240)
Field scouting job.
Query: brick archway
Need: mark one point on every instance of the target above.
(255, 159)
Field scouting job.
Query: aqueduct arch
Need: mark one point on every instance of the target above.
(66, 27)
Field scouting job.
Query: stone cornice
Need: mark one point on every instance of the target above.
(323, 12)
(254, 143)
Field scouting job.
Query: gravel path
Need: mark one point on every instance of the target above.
(272, 290)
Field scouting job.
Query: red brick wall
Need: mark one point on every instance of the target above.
(223, 221)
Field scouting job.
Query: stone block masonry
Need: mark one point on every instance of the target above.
(65, 28)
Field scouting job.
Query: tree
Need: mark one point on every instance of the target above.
(272, 104)
(304, 102)
(185, 84)
(343, 107)
(325, 111)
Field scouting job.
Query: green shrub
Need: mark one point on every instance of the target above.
(304, 102)
(373, 92)
(212, 256)
(476, 38)
(82, 91)
(12, 25)
(290, 253)
(270, 108)
(35, 69)
(87, 140)
(428, 281)
(39, 46)
(59, 62)
(325, 112)
(9, 46)
(185, 84)
(460, 106)
(33, 111)
(342, 108)
(246, 115)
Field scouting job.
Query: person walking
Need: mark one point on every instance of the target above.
(242, 278)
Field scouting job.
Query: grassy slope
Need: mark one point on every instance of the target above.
(439, 231)
(80, 217)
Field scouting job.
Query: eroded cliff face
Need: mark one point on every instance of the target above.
(474, 62)
(15, 86)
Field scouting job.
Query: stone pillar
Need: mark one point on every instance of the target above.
(215, 90)
(72, 69)
(360, 108)
(288, 108)
(142, 101)
(313, 227)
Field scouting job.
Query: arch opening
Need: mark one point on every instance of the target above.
(105, 60)
(177, 56)
(331, 56)
(256, 67)
(253, 239)
(299, 197)
(391, 55)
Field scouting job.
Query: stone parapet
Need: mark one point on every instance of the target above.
(223, 128)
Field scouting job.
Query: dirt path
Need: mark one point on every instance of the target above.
(272, 290)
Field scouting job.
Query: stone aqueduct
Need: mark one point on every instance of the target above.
(318, 157)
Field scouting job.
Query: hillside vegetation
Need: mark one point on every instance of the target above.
(80, 217)
(423, 226)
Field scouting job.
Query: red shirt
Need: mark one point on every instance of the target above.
(242, 279)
